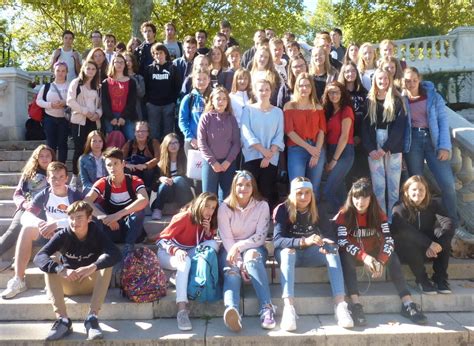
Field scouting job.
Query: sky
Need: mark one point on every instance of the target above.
(310, 4)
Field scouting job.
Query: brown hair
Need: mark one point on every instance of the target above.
(291, 75)
(113, 153)
(55, 166)
(411, 207)
(361, 188)
(87, 146)
(215, 92)
(83, 77)
(165, 163)
(238, 74)
(111, 71)
(312, 96)
(197, 206)
(79, 206)
(231, 200)
(32, 165)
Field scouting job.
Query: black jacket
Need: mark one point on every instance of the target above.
(96, 248)
(162, 83)
(129, 112)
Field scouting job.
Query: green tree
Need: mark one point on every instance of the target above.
(323, 19)
(37, 25)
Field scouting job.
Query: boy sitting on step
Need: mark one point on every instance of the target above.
(123, 199)
(87, 257)
(44, 216)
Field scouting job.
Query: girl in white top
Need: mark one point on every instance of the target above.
(84, 100)
(241, 93)
(54, 123)
(366, 64)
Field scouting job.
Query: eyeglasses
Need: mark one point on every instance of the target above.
(120, 62)
(334, 92)
(141, 131)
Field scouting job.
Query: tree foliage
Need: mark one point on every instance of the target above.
(37, 25)
(372, 21)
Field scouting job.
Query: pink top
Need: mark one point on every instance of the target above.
(247, 227)
(419, 115)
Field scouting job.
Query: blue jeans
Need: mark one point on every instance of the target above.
(130, 231)
(385, 174)
(56, 130)
(180, 192)
(256, 271)
(422, 149)
(308, 257)
(161, 120)
(335, 189)
(298, 165)
(217, 182)
(128, 129)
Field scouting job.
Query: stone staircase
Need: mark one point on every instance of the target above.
(26, 319)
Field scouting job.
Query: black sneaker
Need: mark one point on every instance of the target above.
(414, 313)
(443, 287)
(358, 315)
(427, 287)
(60, 329)
(93, 330)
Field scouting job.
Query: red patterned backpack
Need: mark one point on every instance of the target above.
(143, 280)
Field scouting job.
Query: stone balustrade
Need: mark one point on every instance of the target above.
(448, 53)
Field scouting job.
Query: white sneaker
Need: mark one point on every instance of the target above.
(343, 316)
(74, 181)
(232, 319)
(288, 318)
(14, 286)
(183, 320)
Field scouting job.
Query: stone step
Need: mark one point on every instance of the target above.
(24, 155)
(6, 192)
(7, 208)
(20, 145)
(310, 299)
(382, 329)
(9, 179)
(17, 166)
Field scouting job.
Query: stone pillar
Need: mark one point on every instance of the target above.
(13, 103)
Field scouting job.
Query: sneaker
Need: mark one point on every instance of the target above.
(60, 329)
(343, 316)
(413, 312)
(288, 318)
(357, 314)
(427, 287)
(14, 286)
(157, 214)
(183, 320)
(93, 330)
(74, 183)
(267, 317)
(232, 319)
(442, 286)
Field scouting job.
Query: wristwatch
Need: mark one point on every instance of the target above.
(59, 268)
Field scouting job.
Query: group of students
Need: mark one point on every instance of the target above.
(241, 111)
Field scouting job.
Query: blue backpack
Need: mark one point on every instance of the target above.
(203, 283)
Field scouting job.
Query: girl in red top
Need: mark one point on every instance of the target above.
(364, 236)
(119, 97)
(195, 225)
(340, 142)
(305, 127)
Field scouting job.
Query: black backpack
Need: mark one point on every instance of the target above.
(34, 130)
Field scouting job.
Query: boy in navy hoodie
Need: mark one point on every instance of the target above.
(162, 86)
(87, 258)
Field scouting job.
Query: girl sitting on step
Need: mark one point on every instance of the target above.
(243, 225)
(364, 236)
(196, 225)
(32, 181)
(303, 237)
(92, 163)
(423, 230)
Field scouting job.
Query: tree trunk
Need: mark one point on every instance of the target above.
(140, 11)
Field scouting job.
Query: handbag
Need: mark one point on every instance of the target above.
(67, 109)
(194, 166)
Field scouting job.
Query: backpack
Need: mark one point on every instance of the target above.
(115, 139)
(143, 280)
(34, 130)
(203, 283)
(35, 112)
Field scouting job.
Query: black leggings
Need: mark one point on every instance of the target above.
(79, 135)
(393, 266)
(266, 180)
(415, 256)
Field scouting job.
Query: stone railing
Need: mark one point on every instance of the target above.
(449, 53)
(40, 77)
(462, 135)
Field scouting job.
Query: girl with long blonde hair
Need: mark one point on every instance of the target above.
(263, 68)
(366, 64)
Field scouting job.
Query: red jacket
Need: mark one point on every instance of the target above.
(181, 233)
(364, 241)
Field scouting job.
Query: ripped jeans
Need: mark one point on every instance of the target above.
(255, 267)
